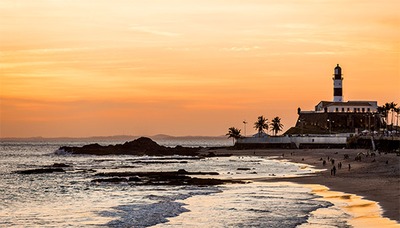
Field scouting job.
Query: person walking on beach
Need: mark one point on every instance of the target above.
(334, 170)
(349, 166)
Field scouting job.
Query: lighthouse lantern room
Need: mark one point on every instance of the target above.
(338, 85)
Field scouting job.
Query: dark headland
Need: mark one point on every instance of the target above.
(138, 147)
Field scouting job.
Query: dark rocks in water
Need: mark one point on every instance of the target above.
(112, 180)
(40, 171)
(134, 179)
(162, 178)
(140, 146)
(60, 165)
(141, 174)
(212, 154)
(243, 169)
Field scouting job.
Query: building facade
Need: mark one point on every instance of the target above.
(338, 116)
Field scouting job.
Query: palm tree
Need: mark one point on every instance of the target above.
(276, 125)
(393, 110)
(387, 108)
(260, 125)
(382, 111)
(234, 133)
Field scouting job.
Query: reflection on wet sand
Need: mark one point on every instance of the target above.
(364, 213)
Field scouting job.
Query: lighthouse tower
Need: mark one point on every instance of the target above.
(337, 85)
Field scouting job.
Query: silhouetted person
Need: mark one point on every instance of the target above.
(334, 170)
(349, 167)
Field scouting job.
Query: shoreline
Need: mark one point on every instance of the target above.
(374, 178)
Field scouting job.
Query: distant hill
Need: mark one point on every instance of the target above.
(104, 138)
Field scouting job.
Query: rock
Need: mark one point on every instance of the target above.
(182, 171)
(162, 178)
(147, 174)
(111, 180)
(140, 146)
(212, 154)
(60, 165)
(40, 171)
(136, 179)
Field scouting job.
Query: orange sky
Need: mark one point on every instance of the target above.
(184, 67)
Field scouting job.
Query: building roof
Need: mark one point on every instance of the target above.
(324, 104)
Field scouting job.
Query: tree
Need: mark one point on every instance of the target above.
(276, 125)
(382, 111)
(397, 110)
(385, 111)
(260, 125)
(234, 133)
(392, 106)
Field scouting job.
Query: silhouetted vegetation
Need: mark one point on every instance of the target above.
(261, 124)
(276, 125)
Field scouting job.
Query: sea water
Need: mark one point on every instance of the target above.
(70, 199)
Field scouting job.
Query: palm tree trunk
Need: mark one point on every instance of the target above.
(392, 118)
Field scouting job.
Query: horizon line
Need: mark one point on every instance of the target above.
(108, 136)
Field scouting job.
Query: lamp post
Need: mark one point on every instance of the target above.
(330, 125)
(244, 122)
(369, 122)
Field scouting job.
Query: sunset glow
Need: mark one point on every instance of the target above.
(183, 67)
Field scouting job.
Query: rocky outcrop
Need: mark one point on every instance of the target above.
(139, 147)
(180, 177)
(40, 171)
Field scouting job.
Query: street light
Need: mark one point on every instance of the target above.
(330, 125)
(244, 122)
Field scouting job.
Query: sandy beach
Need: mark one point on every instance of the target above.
(375, 178)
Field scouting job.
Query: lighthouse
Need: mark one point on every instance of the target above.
(337, 85)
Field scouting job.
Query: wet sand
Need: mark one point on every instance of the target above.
(375, 178)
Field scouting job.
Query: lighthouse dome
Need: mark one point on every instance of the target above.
(338, 71)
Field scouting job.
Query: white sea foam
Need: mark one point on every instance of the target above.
(70, 199)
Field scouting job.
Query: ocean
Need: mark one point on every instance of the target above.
(70, 199)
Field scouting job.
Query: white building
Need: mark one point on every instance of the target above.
(349, 106)
(338, 104)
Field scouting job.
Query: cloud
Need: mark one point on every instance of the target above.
(153, 31)
(240, 49)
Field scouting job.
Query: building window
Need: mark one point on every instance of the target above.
(368, 109)
(363, 109)
(348, 109)
(355, 109)
(342, 109)
(337, 110)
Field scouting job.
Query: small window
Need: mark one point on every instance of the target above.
(363, 109)
(368, 109)
(337, 109)
(355, 109)
(342, 109)
(348, 109)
